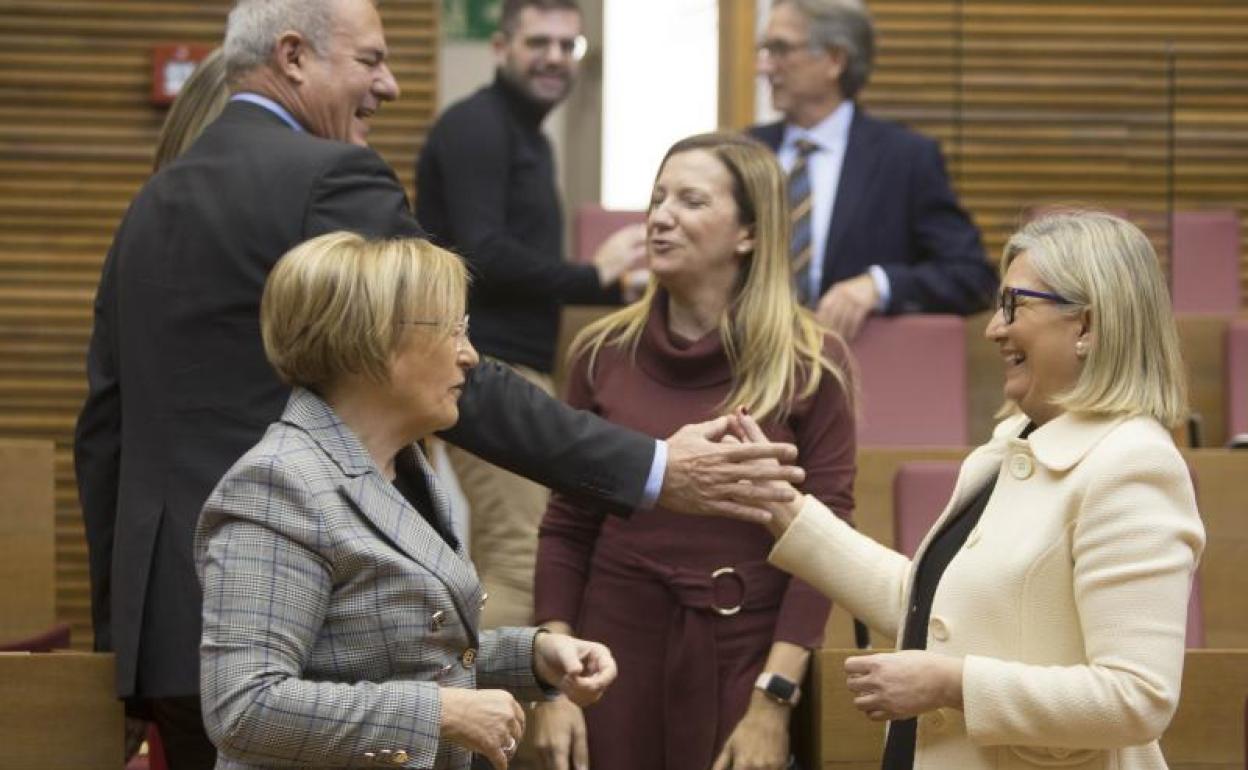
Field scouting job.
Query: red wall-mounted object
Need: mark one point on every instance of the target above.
(172, 64)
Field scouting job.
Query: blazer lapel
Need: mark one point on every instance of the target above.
(861, 158)
(382, 505)
(403, 526)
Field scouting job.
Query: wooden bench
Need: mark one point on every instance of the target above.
(59, 710)
(27, 538)
(1207, 732)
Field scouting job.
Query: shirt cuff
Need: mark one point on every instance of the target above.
(882, 288)
(654, 482)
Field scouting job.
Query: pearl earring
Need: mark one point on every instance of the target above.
(1081, 348)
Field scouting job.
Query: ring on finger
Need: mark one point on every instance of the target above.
(510, 748)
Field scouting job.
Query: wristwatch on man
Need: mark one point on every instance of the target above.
(778, 688)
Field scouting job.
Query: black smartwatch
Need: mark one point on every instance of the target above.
(778, 688)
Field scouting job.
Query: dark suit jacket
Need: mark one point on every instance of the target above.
(179, 387)
(894, 208)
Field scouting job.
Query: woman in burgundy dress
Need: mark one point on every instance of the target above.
(710, 640)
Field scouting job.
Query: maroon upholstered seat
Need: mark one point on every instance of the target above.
(1205, 266)
(55, 638)
(594, 224)
(1237, 380)
(921, 489)
(912, 379)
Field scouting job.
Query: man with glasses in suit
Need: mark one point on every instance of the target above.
(877, 227)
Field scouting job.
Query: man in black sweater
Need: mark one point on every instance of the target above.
(486, 189)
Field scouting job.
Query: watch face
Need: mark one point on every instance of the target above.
(778, 688)
(781, 688)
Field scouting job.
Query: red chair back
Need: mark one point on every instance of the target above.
(1204, 270)
(594, 224)
(912, 381)
(55, 638)
(1237, 378)
(921, 489)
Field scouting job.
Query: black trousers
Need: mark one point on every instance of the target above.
(182, 733)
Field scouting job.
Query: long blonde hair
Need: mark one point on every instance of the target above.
(773, 344)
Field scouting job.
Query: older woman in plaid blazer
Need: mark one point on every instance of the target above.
(340, 611)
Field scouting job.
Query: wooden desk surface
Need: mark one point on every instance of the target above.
(1207, 732)
(59, 710)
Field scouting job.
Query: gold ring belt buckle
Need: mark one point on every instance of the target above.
(722, 572)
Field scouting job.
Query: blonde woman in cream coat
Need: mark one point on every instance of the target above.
(1055, 636)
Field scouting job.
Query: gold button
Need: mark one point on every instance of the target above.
(437, 620)
(940, 631)
(468, 658)
(1021, 466)
(399, 757)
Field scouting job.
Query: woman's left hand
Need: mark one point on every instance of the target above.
(581, 670)
(900, 685)
(760, 741)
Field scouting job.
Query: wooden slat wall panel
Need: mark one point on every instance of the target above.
(1038, 102)
(76, 140)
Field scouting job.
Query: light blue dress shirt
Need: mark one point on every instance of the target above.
(270, 105)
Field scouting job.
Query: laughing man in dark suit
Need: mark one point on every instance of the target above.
(178, 384)
(886, 231)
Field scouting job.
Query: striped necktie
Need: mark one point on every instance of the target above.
(800, 246)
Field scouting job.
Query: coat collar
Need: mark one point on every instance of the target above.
(384, 506)
(1058, 445)
(1062, 442)
(307, 411)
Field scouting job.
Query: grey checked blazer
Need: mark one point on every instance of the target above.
(333, 612)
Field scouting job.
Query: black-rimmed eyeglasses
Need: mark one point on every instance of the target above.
(459, 330)
(1008, 301)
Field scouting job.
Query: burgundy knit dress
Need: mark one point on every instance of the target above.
(659, 588)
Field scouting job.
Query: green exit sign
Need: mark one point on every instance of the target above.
(470, 19)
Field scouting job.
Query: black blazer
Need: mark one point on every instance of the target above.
(179, 387)
(894, 208)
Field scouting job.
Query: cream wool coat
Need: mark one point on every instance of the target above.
(1068, 601)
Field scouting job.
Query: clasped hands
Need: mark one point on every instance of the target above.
(491, 722)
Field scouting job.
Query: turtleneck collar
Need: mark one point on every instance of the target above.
(677, 362)
(519, 103)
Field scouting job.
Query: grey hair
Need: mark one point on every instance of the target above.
(846, 26)
(254, 26)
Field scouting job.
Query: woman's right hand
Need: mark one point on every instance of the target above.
(560, 736)
(485, 722)
(744, 428)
